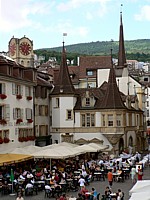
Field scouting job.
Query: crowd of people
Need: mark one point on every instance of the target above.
(71, 175)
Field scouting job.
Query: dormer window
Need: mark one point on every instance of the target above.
(87, 101)
(89, 73)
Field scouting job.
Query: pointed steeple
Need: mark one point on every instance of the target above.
(63, 84)
(121, 53)
(112, 98)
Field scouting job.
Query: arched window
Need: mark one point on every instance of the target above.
(121, 145)
(131, 141)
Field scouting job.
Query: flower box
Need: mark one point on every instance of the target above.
(3, 121)
(29, 98)
(3, 96)
(6, 140)
(32, 138)
(26, 139)
(30, 120)
(19, 121)
(19, 96)
(1, 141)
(21, 139)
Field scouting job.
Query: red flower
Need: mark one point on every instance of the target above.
(3, 121)
(6, 140)
(32, 138)
(19, 121)
(29, 98)
(20, 139)
(3, 96)
(19, 96)
(30, 120)
(1, 141)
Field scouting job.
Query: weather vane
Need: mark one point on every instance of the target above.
(121, 8)
(64, 34)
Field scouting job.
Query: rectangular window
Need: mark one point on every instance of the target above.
(147, 103)
(147, 113)
(1, 112)
(118, 120)
(90, 73)
(103, 120)
(87, 101)
(110, 120)
(92, 120)
(2, 88)
(6, 133)
(57, 102)
(69, 114)
(83, 120)
(28, 113)
(87, 120)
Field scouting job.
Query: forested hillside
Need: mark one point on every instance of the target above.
(135, 49)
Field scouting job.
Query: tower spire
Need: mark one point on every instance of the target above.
(121, 53)
(63, 84)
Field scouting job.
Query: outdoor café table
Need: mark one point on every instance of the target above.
(116, 175)
(77, 172)
(113, 196)
(98, 175)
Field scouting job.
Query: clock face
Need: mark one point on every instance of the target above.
(12, 49)
(25, 48)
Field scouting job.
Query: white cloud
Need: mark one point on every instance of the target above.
(74, 4)
(16, 14)
(89, 16)
(144, 14)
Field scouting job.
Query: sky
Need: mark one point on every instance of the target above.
(45, 21)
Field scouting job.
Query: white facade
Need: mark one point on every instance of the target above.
(16, 113)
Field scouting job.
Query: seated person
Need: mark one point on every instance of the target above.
(63, 197)
(119, 194)
(83, 192)
(48, 187)
(93, 194)
(80, 197)
(29, 185)
(107, 192)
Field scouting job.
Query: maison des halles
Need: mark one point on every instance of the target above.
(61, 105)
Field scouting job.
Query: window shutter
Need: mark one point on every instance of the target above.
(14, 113)
(7, 112)
(21, 90)
(3, 88)
(21, 113)
(28, 113)
(13, 88)
(26, 91)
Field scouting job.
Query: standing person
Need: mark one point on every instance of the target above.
(140, 174)
(133, 174)
(19, 197)
(110, 178)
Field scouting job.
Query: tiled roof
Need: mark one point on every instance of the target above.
(121, 53)
(63, 84)
(112, 98)
(93, 63)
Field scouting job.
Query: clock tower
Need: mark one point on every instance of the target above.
(21, 50)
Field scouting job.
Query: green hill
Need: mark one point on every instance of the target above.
(135, 49)
(102, 48)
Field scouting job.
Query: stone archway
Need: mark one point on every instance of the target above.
(130, 143)
(121, 145)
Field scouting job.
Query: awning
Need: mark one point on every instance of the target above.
(13, 158)
(140, 186)
(86, 148)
